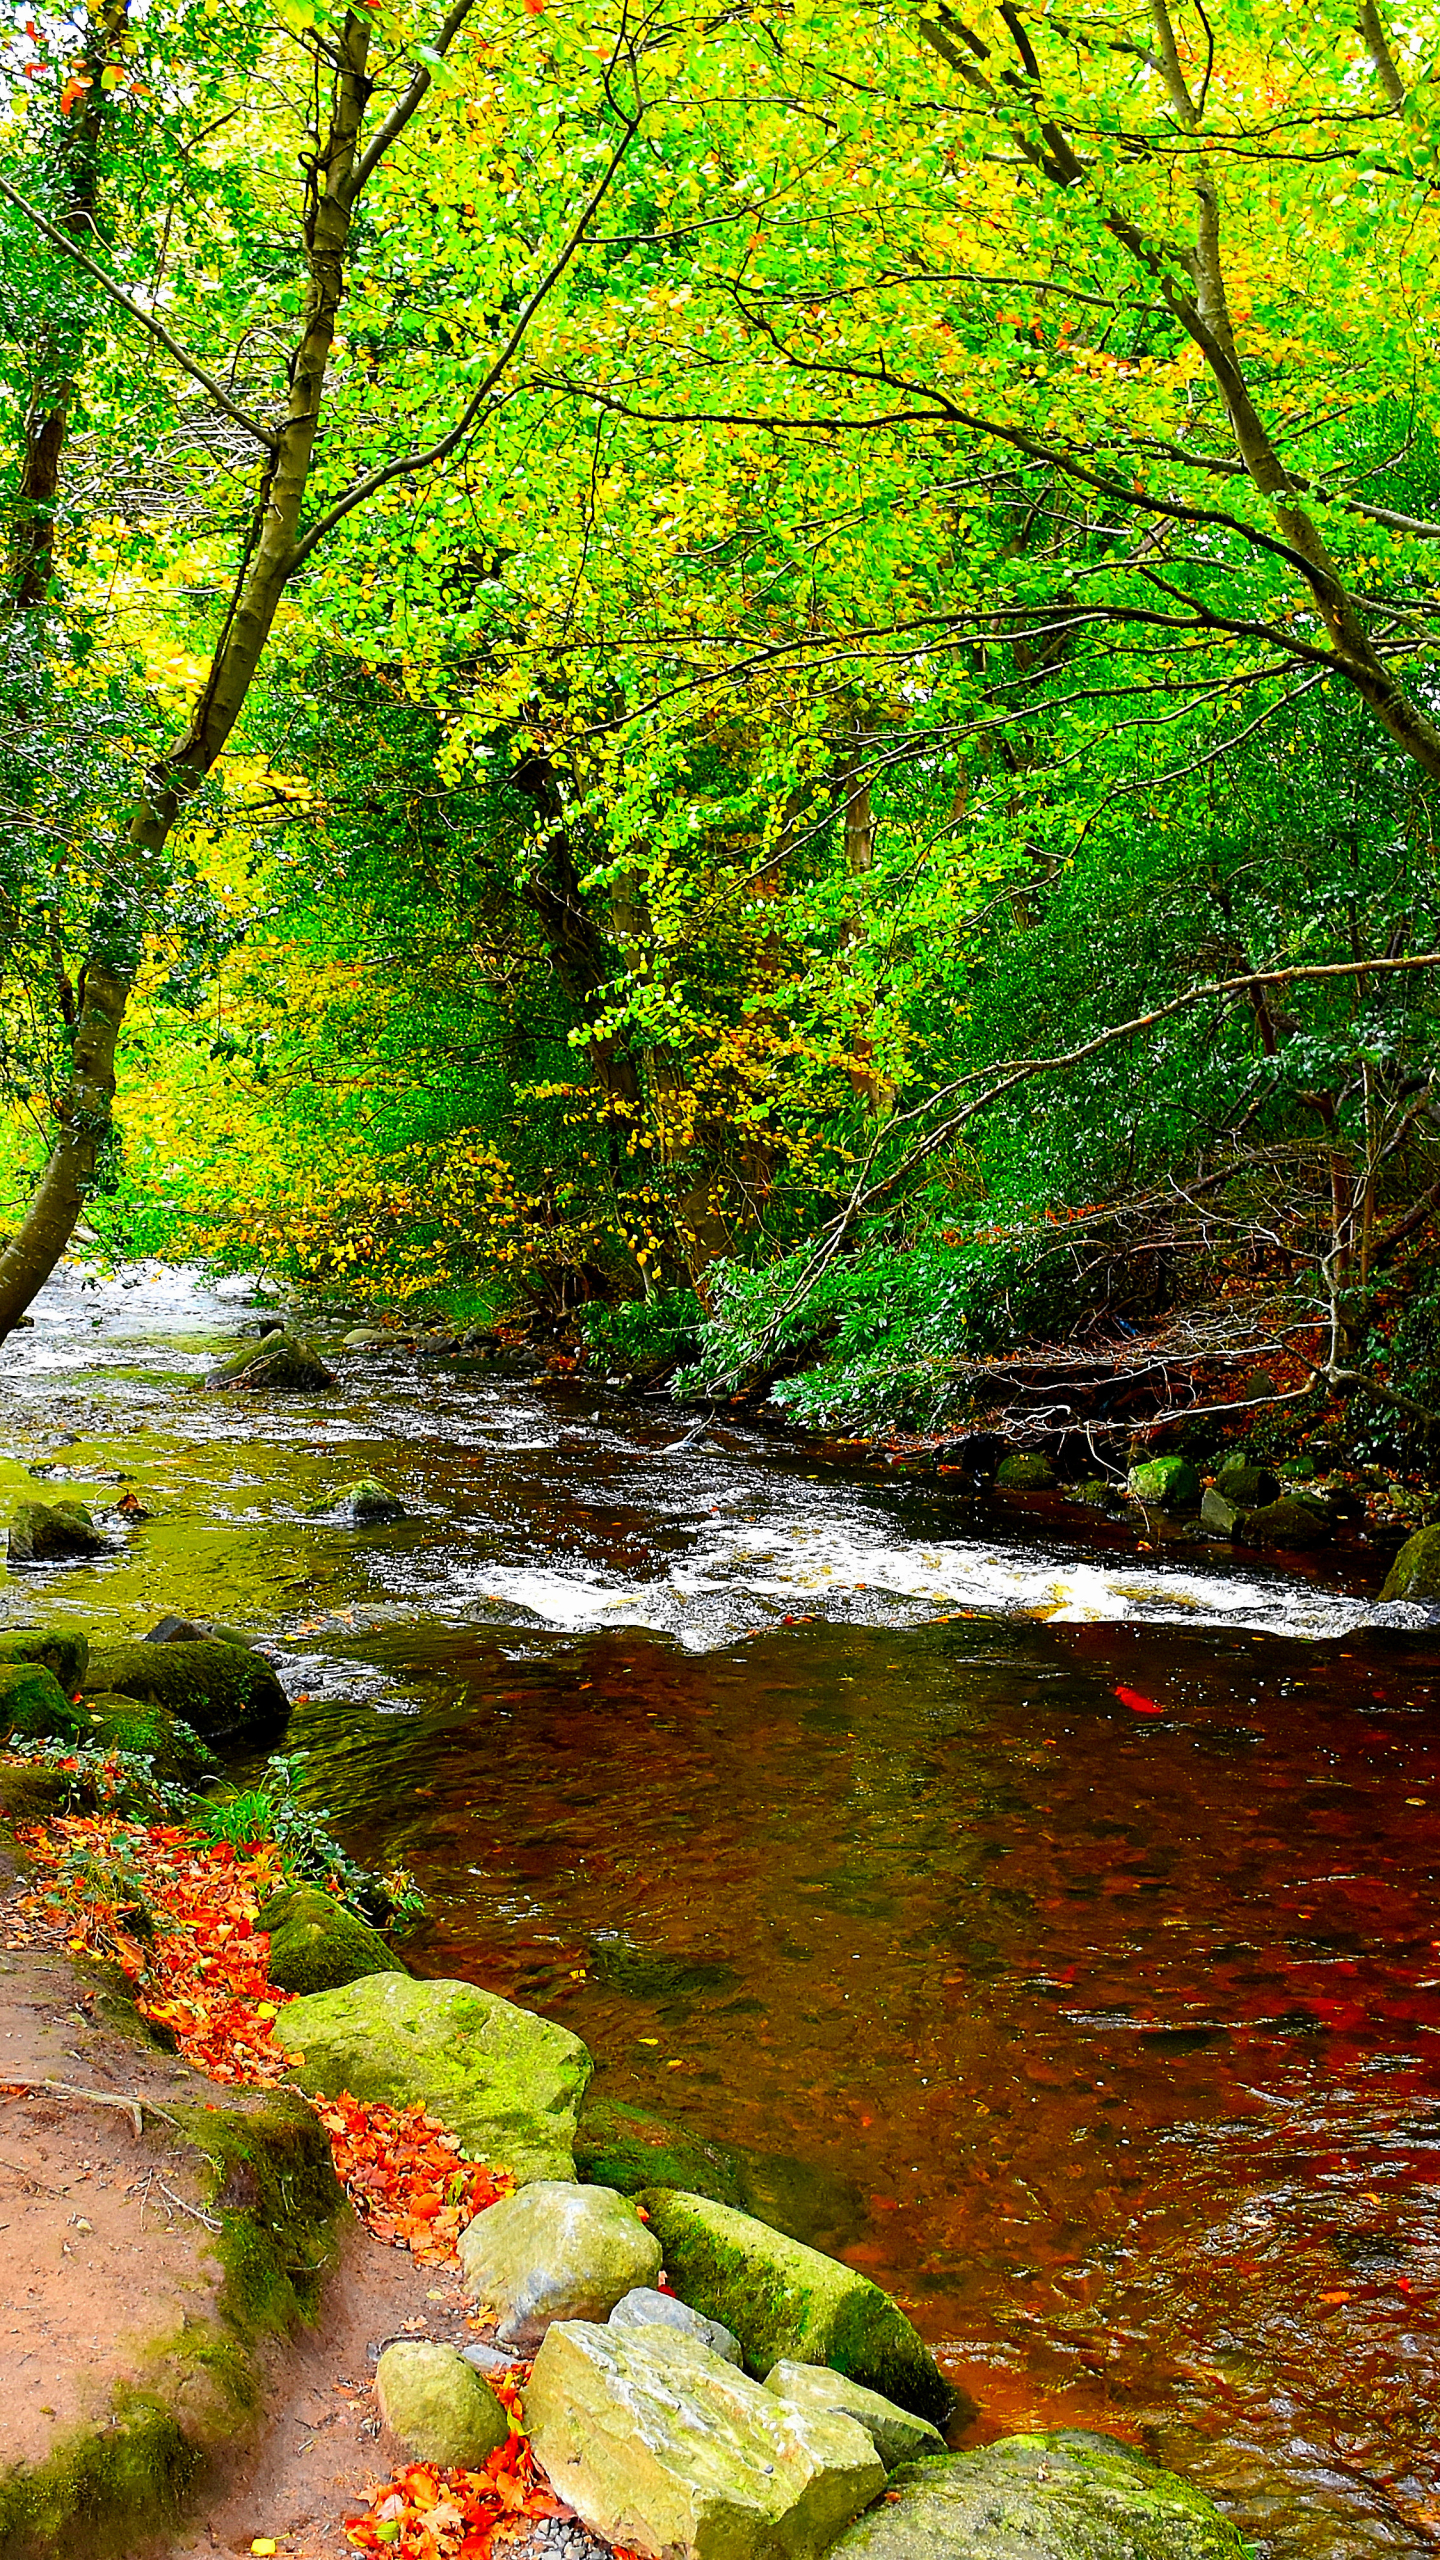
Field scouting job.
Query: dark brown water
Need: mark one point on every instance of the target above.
(1109, 2041)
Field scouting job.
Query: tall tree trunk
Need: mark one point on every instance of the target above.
(118, 936)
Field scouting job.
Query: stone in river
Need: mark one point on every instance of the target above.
(1283, 1524)
(507, 2082)
(49, 1533)
(1170, 1484)
(226, 1691)
(647, 2309)
(63, 1650)
(1024, 1471)
(114, 1722)
(662, 2447)
(1219, 1513)
(1072, 2496)
(1246, 1485)
(1415, 1573)
(554, 2252)
(369, 1504)
(783, 2300)
(896, 2435)
(280, 1365)
(437, 2404)
(316, 1944)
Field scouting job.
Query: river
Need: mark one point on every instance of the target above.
(1109, 2040)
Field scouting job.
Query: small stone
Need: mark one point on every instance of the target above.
(555, 2252)
(365, 1337)
(664, 2448)
(896, 2434)
(1246, 1485)
(1169, 1484)
(369, 1504)
(1025, 1471)
(436, 2403)
(1217, 1512)
(316, 1944)
(647, 2309)
(50, 1533)
(280, 1365)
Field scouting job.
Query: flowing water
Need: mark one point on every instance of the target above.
(1108, 2040)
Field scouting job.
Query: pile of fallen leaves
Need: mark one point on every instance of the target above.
(425, 2513)
(406, 2176)
(178, 1915)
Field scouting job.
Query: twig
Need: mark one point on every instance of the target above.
(210, 2220)
(130, 2107)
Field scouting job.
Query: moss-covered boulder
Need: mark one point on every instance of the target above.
(113, 1722)
(625, 2147)
(897, 2434)
(1167, 1484)
(1415, 1573)
(63, 1650)
(1283, 1524)
(316, 1944)
(437, 2404)
(227, 1693)
(53, 1533)
(509, 2083)
(1025, 1471)
(280, 1365)
(555, 2251)
(784, 2301)
(1061, 2497)
(369, 1504)
(1247, 1485)
(34, 1707)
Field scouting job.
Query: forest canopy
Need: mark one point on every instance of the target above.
(762, 680)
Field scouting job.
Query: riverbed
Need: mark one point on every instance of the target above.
(1059, 1921)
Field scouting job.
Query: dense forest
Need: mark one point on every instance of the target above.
(758, 682)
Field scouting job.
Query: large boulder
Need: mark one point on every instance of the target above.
(34, 1707)
(662, 2447)
(54, 1532)
(227, 1693)
(1283, 1524)
(1415, 1573)
(437, 2404)
(281, 1365)
(112, 1722)
(786, 2302)
(316, 1944)
(63, 1650)
(1025, 1471)
(648, 2308)
(1060, 2497)
(897, 2435)
(508, 2083)
(1247, 1485)
(1166, 1484)
(554, 2252)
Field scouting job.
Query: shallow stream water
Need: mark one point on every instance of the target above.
(1109, 2041)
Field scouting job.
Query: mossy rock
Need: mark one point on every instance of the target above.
(279, 1364)
(226, 1692)
(1168, 1484)
(1283, 1524)
(34, 1707)
(30, 1792)
(369, 1504)
(1071, 2496)
(1415, 1573)
(627, 2148)
(1025, 1471)
(53, 1533)
(786, 2302)
(316, 1944)
(1246, 1485)
(63, 1650)
(113, 1722)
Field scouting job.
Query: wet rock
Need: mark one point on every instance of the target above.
(1246, 1485)
(316, 1944)
(1415, 1573)
(280, 1365)
(63, 1650)
(1025, 1471)
(34, 1707)
(1097, 1492)
(625, 2147)
(555, 2251)
(1217, 1512)
(896, 2435)
(113, 1722)
(507, 2082)
(369, 1504)
(1283, 1524)
(786, 2302)
(437, 2404)
(172, 1630)
(647, 2309)
(1170, 1484)
(1071, 2496)
(366, 1337)
(228, 1693)
(48, 1533)
(662, 2447)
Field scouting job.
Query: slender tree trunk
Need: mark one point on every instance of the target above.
(118, 937)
